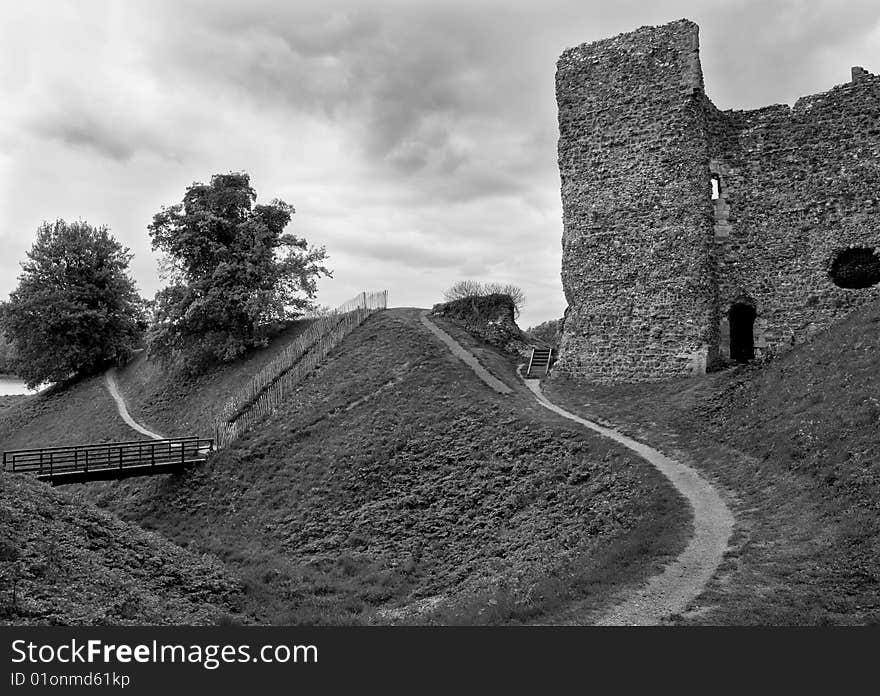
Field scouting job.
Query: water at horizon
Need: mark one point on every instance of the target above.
(10, 386)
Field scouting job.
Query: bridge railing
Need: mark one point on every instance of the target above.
(53, 461)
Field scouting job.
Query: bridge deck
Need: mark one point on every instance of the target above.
(108, 460)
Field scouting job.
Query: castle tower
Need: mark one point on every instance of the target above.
(638, 264)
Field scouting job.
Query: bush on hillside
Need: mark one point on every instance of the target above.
(232, 269)
(489, 317)
(75, 308)
(464, 289)
(549, 332)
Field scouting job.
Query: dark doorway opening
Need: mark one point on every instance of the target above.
(742, 332)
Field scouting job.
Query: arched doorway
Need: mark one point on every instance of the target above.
(742, 332)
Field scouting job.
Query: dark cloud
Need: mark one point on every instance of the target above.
(89, 131)
(414, 86)
(411, 135)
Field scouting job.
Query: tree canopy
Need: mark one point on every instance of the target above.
(75, 308)
(231, 268)
(7, 351)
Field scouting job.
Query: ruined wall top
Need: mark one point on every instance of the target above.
(614, 59)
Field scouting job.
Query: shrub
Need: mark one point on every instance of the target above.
(550, 332)
(471, 288)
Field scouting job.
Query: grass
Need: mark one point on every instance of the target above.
(796, 444)
(176, 405)
(8, 401)
(81, 413)
(66, 563)
(394, 487)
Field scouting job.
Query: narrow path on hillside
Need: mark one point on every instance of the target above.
(113, 388)
(685, 577)
(465, 356)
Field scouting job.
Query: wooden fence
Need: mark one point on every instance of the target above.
(267, 388)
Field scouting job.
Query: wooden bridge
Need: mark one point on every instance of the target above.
(108, 460)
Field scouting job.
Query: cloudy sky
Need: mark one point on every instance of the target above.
(416, 140)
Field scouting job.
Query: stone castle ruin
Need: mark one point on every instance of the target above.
(693, 236)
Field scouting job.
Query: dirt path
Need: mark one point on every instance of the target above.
(465, 356)
(681, 580)
(113, 388)
(684, 578)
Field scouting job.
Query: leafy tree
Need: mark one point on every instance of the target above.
(231, 270)
(7, 350)
(75, 308)
(473, 288)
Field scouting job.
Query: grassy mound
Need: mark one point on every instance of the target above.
(81, 413)
(797, 443)
(172, 405)
(394, 486)
(816, 412)
(65, 562)
(176, 405)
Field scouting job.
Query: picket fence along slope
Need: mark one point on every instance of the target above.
(268, 386)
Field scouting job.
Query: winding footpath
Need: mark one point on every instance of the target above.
(465, 356)
(113, 388)
(683, 578)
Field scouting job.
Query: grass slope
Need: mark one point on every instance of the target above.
(81, 413)
(394, 486)
(65, 562)
(178, 406)
(797, 445)
(84, 412)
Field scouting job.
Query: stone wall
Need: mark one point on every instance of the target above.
(798, 185)
(489, 317)
(651, 263)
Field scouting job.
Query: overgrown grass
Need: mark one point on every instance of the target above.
(392, 478)
(65, 562)
(797, 445)
(581, 589)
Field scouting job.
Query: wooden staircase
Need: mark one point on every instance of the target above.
(540, 362)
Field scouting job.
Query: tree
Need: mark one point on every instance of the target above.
(75, 308)
(7, 350)
(473, 288)
(231, 269)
